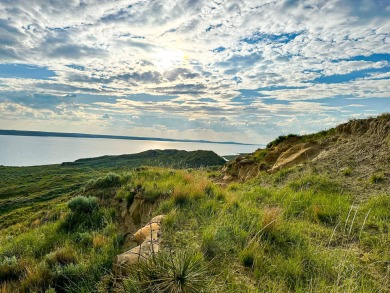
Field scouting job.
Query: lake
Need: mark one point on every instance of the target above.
(35, 150)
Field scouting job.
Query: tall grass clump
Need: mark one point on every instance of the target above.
(10, 268)
(377, 178)
(62, 257)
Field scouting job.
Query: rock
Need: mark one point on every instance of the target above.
(124, 261)
(148, 231)
(148, 238)
(297, 154)
(227, 178)
(157, 219)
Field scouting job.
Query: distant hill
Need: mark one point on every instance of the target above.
(165, 158)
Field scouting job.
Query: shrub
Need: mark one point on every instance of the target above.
(110, 180)
(85, 215)
(167, 272)
(83, 205)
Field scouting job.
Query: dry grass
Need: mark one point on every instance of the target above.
(62, 256)
(272, 217)
(99, 241)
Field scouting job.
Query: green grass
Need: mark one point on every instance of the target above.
(292, 231)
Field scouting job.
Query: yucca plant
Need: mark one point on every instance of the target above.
(166, 272)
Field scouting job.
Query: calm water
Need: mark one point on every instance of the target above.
(34, 150)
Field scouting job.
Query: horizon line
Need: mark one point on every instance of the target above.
(108, 136)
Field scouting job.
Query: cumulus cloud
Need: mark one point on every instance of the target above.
(241, 65)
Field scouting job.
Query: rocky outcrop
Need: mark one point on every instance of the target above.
(297, 154)
(241, 168)
(363, 145)
(148, 239)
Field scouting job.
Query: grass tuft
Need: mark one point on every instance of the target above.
(377, 178)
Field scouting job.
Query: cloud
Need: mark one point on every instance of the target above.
(106, 116)
(38, 101)
(258, 65)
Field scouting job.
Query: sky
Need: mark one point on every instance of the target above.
(222, 70)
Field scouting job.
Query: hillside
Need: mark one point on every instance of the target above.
(26, 189)
(307, 214)
(358, 149)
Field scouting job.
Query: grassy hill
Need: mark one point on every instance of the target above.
(166, 158)
(301, 227)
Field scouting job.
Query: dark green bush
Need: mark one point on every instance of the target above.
(85, 215)
(83, 205)
(110, 180)
(84, 222)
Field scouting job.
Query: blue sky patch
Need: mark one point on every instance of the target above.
(269, 38)
(340, 78)
(219, 49)
(207, 100)
(275, 101)
(78, 67)
(370, 58)
(25, 71)
(355, 104)
(247, 97)
(281, 87)
(150, 98)
(211, 27)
